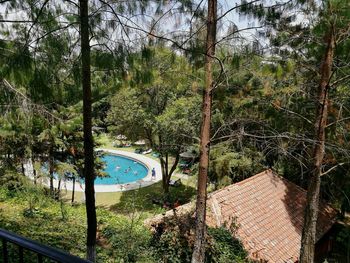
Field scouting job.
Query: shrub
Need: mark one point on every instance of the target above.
(224, 248)
(173, 242)
(12, 180)
(129, 240)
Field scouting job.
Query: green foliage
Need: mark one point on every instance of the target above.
(172, 247)
(180, 121)
(34, 196)
(225, 248)
(54, 223)
(128, 239)
(12, 180)
(228, 165)
(175, 246)
(42, 221)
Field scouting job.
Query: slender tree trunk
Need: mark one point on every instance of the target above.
(164, 166)
(73, 191)
(311, 212)
(198, 255)
(173, 167)
(34, 171)
(22, 167)
(59, 188)
(166, 174)
(88, 140)
(166, 181)
(51, 169)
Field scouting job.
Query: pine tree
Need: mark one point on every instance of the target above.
(89, 173)
(198, 255)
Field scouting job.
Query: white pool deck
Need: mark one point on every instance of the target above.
(100, 188)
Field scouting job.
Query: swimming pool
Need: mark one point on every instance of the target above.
(121, 170)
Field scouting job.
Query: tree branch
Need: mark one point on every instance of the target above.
(331, 169)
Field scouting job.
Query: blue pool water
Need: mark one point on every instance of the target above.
(121, 170)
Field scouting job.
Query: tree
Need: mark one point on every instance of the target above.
(89, 173)
(177, 128)
(49, 138)
(309, 230)
(334, 22)
(200, 238)
(320, 40)
(153, 102)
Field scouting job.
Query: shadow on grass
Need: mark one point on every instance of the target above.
(142, 199)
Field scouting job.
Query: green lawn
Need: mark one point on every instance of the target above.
(141, 198)
(64, 226)
(106, 142)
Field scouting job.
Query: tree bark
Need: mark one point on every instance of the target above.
(88, 140)
(166, 174)
(58, 189)
(198, 255)
(22, 167)
(73, 190)
(311, 211)
(51, 169)
(34, 171)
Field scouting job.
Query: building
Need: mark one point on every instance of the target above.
(266, 212)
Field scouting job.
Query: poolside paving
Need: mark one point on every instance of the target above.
(100, 188)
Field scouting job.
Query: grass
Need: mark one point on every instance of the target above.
(106, 142)
(63, 226)
(102, 199)
(140, 199)
(39, 225)
(118, 200)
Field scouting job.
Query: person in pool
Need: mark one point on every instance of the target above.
(153, 173)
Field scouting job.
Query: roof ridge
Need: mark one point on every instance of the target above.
(240, 182)
(267, 171)
(289, 182)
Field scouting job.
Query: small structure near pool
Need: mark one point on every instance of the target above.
(266, 213)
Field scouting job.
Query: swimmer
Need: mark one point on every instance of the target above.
(135, 172)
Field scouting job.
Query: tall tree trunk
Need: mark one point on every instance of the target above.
(311, 212)
(166, 182)
(51, 169)
(166, 174)
(164, 165)
(198, 255)
(73, 190)
(58, 189)
(34, 170)
(23, 169)
(88, 140)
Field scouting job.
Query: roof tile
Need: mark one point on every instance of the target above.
(269, 212)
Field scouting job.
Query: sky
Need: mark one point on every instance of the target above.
(173, 22)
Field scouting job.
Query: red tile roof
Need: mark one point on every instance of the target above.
(268, 212)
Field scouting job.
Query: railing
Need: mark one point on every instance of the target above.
(42, 251)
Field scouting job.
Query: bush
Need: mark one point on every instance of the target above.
(129, 240)
(173, 242)
(12, 180)
(173, 247)
(224, 248)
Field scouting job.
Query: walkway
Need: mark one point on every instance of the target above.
(146, 181)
